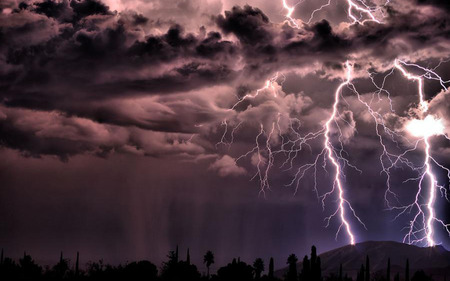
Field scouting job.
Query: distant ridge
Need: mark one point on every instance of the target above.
(433, 260)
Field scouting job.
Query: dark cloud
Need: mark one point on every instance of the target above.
(438, 3)
(249, 24)
(213, 47)
(84, 8)
(52, 9)
(82, 60)
(68, 11)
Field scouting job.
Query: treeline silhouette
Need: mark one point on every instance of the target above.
(175, 269)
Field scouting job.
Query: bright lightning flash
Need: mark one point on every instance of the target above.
(366, 12)
(290, 142)
(292, 147)
(330, 152)
(421, 227)
(290, 10)
(425, 128)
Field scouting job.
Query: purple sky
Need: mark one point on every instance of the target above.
(112, 112)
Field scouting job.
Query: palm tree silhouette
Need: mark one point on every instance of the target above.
(208, 259)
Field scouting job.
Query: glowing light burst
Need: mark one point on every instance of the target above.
(425, 128)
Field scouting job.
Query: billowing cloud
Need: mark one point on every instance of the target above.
(440, 107)
(226, 166)
(145, 70)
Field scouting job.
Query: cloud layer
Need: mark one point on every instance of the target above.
(77, 77)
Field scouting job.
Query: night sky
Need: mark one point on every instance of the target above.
(117, 116)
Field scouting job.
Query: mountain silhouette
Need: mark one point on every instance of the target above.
(434, 261)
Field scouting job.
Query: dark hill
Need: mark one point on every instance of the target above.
(433, 260)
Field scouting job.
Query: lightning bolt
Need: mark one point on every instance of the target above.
(364, 9)
(431, 194)
(426, 214)
(429, 215)
(263, 153)
(290, 10)
(330, 153)
(366, 12)
(421, 228)
(268, 85)
(398, 64)
(273, 139)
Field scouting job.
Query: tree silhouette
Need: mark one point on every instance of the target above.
(347, 278)
(140, 271)
(367, 277)
(397, 277)
(315, 272)
(237, 270)
(168, 267)
(77, 263)
(188, 257)
(29, 270)
(9, 270)
(208, 259)
(271, 266)
(340, 272)
(292, 271)
(360, 276)
(313, 263)
(96, 270)
(306, 270)
(175, 270)
(258, 266)
(388, 273)
(61, 269)
(421, 276)
(318, 274)
(407, 270)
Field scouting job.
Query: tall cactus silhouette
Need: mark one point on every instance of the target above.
(367, 269)
(271, 268)
(188, 257)
(388, 274)
(77, 264)
(306, 270)
(360, 276)
(407, 270)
